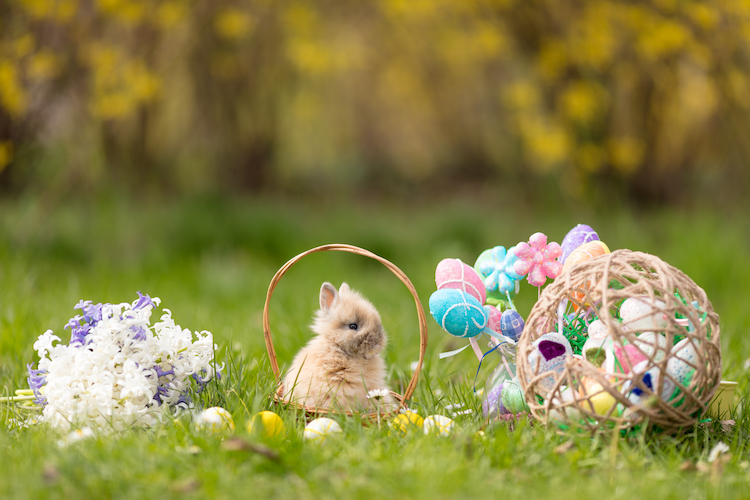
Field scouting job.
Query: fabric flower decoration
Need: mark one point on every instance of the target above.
(496, 268)
(538, 260)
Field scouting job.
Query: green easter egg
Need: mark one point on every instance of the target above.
(512, 397)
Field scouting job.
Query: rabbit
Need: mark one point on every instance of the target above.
(342, 362)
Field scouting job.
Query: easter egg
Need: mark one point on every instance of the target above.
(454, 274)
(640, 314)
(652, 344)
(457, 312)
(405, 423)
(494, 316)
(493, 404)
(548, 355)
(511, 324)
(585, 252)
(438, 424)
(599, 352)
(627, 356)
(597, 399)
(215, 420)
(597, 329)
(575, 238)
(681, 364)
(564, 406)
(320, 428)
(647, 378)
(267, 424)
(512, 397)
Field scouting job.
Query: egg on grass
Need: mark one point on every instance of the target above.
(320, 429)
(266, 424)
(215, 420)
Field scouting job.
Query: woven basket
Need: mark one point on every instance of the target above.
(402, 399)
(579, 393)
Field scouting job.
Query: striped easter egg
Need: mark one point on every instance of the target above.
(457, 312)
(454, 274)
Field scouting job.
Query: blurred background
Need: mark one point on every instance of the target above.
(648, 101)
(187, 149)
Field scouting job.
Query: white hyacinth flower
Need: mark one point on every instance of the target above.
(118, 369)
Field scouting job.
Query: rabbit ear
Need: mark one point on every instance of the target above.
(344, 288)
(328, 295)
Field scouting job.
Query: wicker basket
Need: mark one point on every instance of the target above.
(577, 392)
(402, 399)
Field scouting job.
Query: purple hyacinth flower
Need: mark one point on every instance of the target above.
(36, 380)
(143, 301)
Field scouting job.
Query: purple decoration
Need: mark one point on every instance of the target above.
(493, 403)
(548, 355)
(576, 237)
(550, 349)
(511, 324)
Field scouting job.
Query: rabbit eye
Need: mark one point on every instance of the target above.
(353, 326)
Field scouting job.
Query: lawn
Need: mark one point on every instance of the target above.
(210, 261)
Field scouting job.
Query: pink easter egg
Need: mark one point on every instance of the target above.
(452, 273)
(628, 353)
(493, 318)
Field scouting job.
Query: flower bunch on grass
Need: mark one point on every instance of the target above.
(118, 369)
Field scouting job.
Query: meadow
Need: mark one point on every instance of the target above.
(210, 261)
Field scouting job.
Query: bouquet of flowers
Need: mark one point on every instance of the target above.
(118, 369)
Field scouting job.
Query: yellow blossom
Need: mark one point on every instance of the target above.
(43, 66)
(581, 101)
(625, 153)
(6, 154)
(233, 24)
(12, 95)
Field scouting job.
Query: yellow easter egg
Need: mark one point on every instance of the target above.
(585, 252)
(215, 420)
(267, 424)
(600, 401)
(406, 422)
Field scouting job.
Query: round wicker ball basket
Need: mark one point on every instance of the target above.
(408, 392)
(666, 387)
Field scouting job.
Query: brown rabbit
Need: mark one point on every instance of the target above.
(341, 364)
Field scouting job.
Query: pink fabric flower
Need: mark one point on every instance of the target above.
(538, 260)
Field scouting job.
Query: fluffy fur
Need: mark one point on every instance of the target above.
(341, 363)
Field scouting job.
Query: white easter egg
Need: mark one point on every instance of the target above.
(563, 415)
(598, 351)
(597, 330)
(438, 424)
(640, 314)
(647, 378)
(681, 364)
(215, 420)
(548, 355)
(320, 428)
(653, 345)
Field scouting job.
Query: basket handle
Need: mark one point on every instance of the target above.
(359, 251)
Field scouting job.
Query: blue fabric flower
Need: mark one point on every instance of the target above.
(496, 268)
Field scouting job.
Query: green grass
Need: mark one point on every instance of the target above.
(211, 261)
